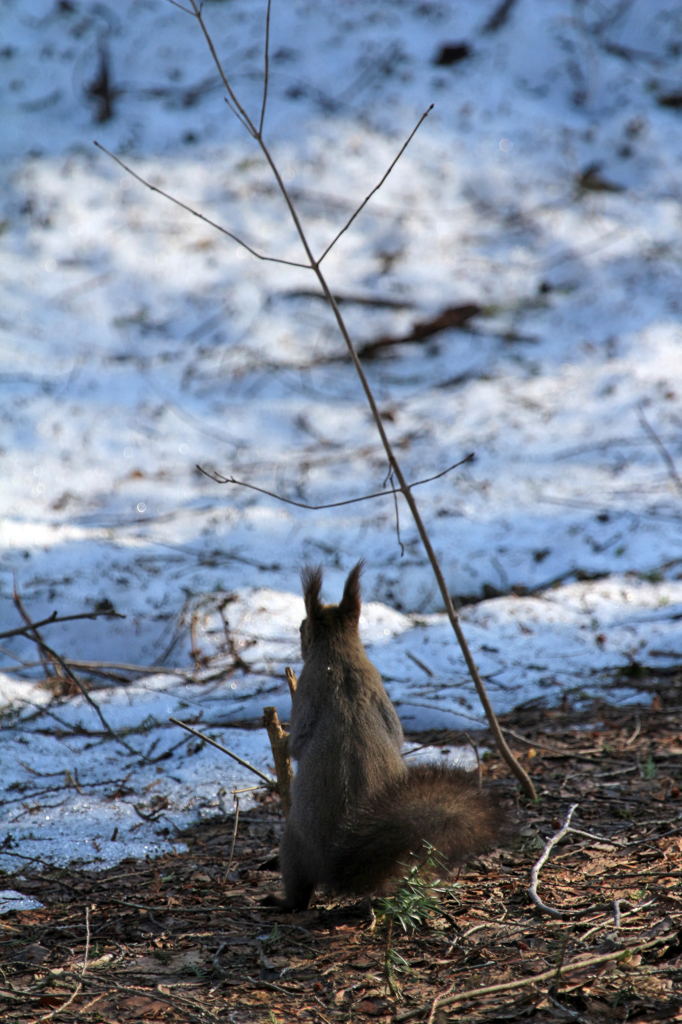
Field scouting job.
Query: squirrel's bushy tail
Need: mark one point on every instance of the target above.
(432, 803)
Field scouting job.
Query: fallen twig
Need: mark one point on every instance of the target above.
(64, 1006)
(535, 870)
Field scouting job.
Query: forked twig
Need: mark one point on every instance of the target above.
(394, 465)
(220, 479)
(60, 1009)
(549, 846)
(537, 867)
(376, 188)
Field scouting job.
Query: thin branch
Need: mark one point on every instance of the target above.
(266, 69)
(239, 112)
(110, 613)
(394, 465)
(236, 109)
(665, 454)
(64, 1006)
(376, 188)
(195, 213)
(32, 633)
(500, 742)
(214, 743)
(220, 479)
(535, 870)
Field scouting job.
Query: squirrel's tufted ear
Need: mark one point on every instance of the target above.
(350, 602)
(311, 581)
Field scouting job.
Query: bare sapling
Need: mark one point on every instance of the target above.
(254, 127)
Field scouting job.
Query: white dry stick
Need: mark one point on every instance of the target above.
(64, 1006)
(535, 870)
(234, 838)
(87, 940)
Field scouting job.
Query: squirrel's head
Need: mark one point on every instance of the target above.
(329, 621)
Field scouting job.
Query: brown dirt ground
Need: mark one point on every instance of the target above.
(172, 940)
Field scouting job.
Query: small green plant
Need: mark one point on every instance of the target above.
(648, 769)
(271, 1014)
(415, 900)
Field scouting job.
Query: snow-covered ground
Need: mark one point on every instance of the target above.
(135, 343)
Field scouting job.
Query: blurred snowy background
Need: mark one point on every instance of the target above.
(543, 191)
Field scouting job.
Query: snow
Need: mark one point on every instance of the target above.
(10, 899)
(136, 343)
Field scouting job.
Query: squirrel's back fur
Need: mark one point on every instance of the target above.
(358, 814)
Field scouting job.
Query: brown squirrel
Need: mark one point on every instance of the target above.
(358, 813)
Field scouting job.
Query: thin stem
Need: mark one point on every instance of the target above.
(195, 213)
(376, 188)
(239, 112)
(214, 743)
(500, 742)
(266, 69)
(220, 479)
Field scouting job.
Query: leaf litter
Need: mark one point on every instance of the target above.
(171, 938)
